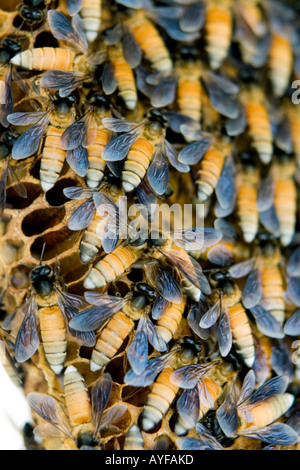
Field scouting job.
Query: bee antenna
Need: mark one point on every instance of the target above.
(42, 252)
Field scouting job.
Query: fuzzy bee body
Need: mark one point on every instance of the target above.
(208, 174)
(218, 32)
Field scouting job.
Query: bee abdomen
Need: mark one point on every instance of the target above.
(91, 18)
(149, 40)
(125, 81)
(45, 58)
(110, 340)
(97, 165)
(169, 321)
(53, 333)
(280, 63)
(136, 164)
(242, 334)
(271, 409)
(110, 267)
(159, 400)
(91, 242)
(189, 98)
(218, 35)
(76, 395)
(52, 159)
(134, 439)
(209, 174)
(285, 202)
(260, 131)
(247, 211)
(272, 296)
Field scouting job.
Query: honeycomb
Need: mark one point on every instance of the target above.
(39, 224)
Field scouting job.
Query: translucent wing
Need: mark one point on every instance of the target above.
(227, 413)
(131, 50)
(197, 238)
(193, 18)
(269, 219)
(252, 292)
(293, 289)
(65, 82)
(61, 28)
(82, 216)
(154, 337)
(275, 386)
(265, 194)
(137, 351)
(188, 377)
(172, 155)
(158, 173)
(118, 125)
(78, 26)
(18, 186)
(27, 340)
(25, 119)
(111, 415)
(51, 411)
(74, 192)
(193, 153)
(247, 388)
(28, 143)
(78, 160)
(194, 317)
(229, 234)
(153, 368)
(73, 6)
(211, 316)
(220, 91)
(118, 147)
(237, 126)
(266, 323)
(165, 284)
(293, 265)
(159, 306)
(73, 136)
(172, 28)
(281, 360)
(276, 433)
(164, 93)
(224, 332)
(188, 406)
(225, 189)
(220, 255)
(100, 396)
(190, 443)
(109, 81)
(292, 325)
(242, 269)
(205, 396)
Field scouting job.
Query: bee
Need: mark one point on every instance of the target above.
(263, 290)
(32, 12)
(8, 172)
(218, 31)
(163, 391)
(145, 148)
(277, 199)
(90, 13)
(9, 364)
(254, 408)
(233, 320)
(206, 440)
(134, 439)
(53, 308)
(81, 427)
(6, 98)
(293, 117)
(209, 172)
(52, 122)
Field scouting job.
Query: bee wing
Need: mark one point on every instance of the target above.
(283, 137)
(224, 332)
(190, 443)
(188, 406)
(164, 93)
(82, 216)
(211, 316)
(269, 219)
(109, 81)
(281, 360)
(247, 388)
(293, 289)
(113, 35)
(100, 396)
(73, 136)
(220, 92)
(266, 323)
(207, 439)
(193, 153)
(252, 292)
(28, 143)
(172, 28)
(18, 186)
(50, 410)
(118, 125)
(141, 74)
(73, 6)
(265, 194)
(221, 212)
(118, 148)
(236, 126)
(220, 255)
(154, 337)
(27, 340)
(111, 415)
(109, 212)
(92, 318)
(275, 386)
(172, 155)
(292, 325)
(293, 265)
(227, 413)
(242, 269)
(74, 192)
(188, 377)
(153, 368)
(65, 82)
(6, 358)
(131, 50)
(158, 172)
(194, 318)
(47, 431)
(225, 188)
(197, 238)
(165, 284)
(137, 351)
(15, 319)
(6, 100)
(69, 312)
(78, 160)
(3, 185)
(25, 119)
(61, 28)
(193, 18)
(76, 301)
(190, 268)
(77, 24)
(159, 306)
(135, 4)
(146, 196)
(276, 433)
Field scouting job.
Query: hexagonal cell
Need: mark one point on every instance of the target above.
(41, 220)
(15, 202)
(55, 197)
(56, 242)
(11, 251)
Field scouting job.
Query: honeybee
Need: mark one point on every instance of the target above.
(90, 13)
(9, 364)
(163, 391)
(134, 439)
(254, 408)
(233, 320)
(218, 31)
(277, 199)
(52, 122)
(8, 172)
(53, 308)
(82, 427)
(263, 290)
(206, 442)
(32, 12)
(6, 98)
(145, 148)
(293, 119)
(293, 278)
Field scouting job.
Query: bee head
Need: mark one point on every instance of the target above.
(42, 279)
(188, 53)
(158, 117)
(96, 99)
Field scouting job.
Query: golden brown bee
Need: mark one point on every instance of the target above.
(294, 120)
(91, 18)
(189, 88)
(134, 439)
(124, 76)
(53, 308)
(77, 398)
(280, 63)
(7, 361)
(218, 28)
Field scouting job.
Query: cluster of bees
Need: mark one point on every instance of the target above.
(153, 341)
